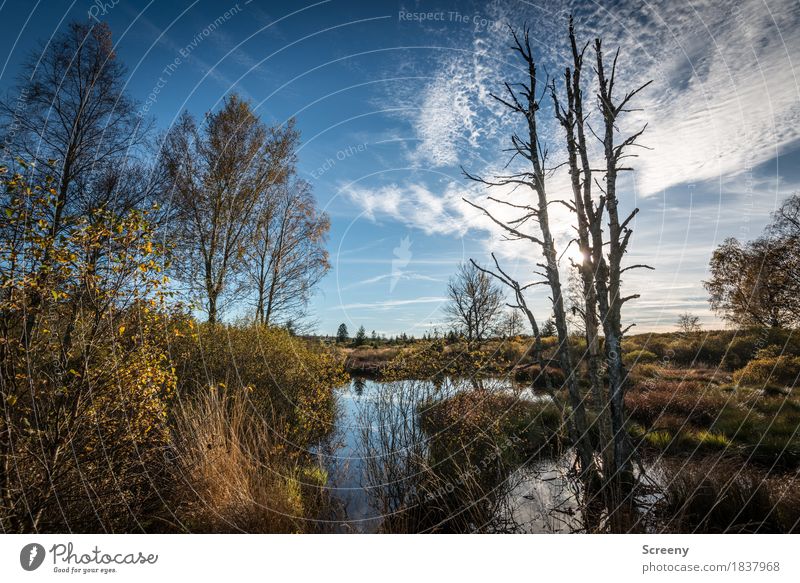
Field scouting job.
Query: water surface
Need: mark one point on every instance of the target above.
(376, 431)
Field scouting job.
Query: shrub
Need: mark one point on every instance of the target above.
(684, 352)
(483, 418)
(290, 382)
(85, 383)
(691, 400)
(533, 374)
(370, 362)
(117, 432)
(783, 370)
(511, 351)
(436, 360)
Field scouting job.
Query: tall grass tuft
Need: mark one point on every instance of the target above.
(234, 476)
(720, 496)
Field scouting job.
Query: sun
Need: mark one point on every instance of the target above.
(574, 255)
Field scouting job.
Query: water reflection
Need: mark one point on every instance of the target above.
(454, 456)
(358, 385)
(400, 466)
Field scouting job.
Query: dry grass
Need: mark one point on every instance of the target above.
(233, 476)
(369, 361)
(692, 400)
(720, 496)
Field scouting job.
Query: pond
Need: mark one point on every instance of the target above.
(380, 474)
(415, 457)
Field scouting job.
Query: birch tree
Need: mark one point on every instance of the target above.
(71, 119)
(71, 115)
(218, 173)
(288, 255)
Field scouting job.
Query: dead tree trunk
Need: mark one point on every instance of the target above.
(522, 305)
(524, 102)
(609, 278)
(590, 242)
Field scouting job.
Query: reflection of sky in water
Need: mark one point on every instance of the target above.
(536, 489)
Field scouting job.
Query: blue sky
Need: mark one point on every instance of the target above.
(392, 97)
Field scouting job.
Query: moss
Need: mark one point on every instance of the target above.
(712, 440)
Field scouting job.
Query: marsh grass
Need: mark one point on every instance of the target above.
(234, 475)
(718, 495)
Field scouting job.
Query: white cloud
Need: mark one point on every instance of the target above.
(724, 97)
(415, 205)
(445, 120)
(443, 211)
(400, 276)
(387, 304)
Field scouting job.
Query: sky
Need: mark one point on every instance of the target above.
(393, 99)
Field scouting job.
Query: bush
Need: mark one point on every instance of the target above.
(533, 374)
(783, 370)
(117, 435)
(370, 362)
(690, 400)
(482, 418)
(730, 349)
(84, 382)
(290, 382)
(437, 360)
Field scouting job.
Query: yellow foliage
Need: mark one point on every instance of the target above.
(290, 381)
(84, 386)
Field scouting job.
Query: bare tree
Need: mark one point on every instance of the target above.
(688, 323)
(522, 305)
(608, 280)
(600, 271)
(599, 300)
(218, 174)
(512, 324)
(71, 116)
(288, 257)
(522, 99)
(474, 302)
